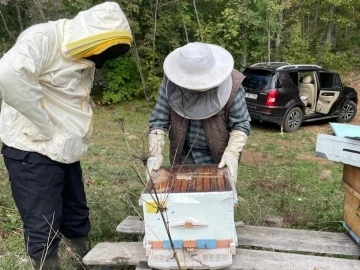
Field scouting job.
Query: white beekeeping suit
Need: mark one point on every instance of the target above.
(45, 82)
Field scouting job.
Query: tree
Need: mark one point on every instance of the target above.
(323, 32)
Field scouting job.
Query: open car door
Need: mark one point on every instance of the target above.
(330, 91)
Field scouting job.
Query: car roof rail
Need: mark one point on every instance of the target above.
(270, 64)
(298, 66)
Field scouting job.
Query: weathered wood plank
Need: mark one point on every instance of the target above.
(133, 252)
(131, 225)
(123, 253)
(276, 238)
(298, 240)
(268, 260)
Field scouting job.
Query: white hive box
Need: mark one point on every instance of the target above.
(199, 203)
(338, 149)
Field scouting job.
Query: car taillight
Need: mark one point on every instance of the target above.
(271, 98)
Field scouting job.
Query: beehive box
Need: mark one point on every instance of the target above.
(351, 177)
(197, 205)
(346, 151)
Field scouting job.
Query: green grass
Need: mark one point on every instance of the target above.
(278, 176)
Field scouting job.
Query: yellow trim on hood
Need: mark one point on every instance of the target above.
(97, 43)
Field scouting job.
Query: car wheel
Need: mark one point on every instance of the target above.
(348, 112)
(292, 120)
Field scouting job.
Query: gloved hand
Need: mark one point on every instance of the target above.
(156, 146)
(230, 158)
(232, 163)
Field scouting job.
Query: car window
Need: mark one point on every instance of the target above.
(303, 74)
(257, 79)
(329, 80)
(294, 76)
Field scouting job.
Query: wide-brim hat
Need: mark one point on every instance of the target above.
(198, 66)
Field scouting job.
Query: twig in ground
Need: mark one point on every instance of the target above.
(77, 257)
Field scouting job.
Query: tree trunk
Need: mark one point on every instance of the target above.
(334, 38)
(303, 27)
(183, 20)
(268, 37)
(154, 35)
(138, 65)
(245, 54)
(279, 31)
(330, 29)
(316, 16)
(308, 25)
(347, 29)
(244, 58)
(6, 27)
(198, 21)
(19, 18)
(186, 32)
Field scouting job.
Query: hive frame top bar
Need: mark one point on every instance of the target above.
(189, 179)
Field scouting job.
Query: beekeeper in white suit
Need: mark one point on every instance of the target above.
(201, 104)
(46, 123)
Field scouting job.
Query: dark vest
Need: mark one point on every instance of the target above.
(216, 128)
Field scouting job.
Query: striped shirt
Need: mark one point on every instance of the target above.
(238, 119)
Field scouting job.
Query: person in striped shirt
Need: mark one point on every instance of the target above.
(201, 104)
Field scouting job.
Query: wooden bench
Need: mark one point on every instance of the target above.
(262, 248)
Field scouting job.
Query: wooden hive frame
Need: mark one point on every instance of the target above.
(190, 178)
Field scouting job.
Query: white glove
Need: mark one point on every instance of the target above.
(231, 162)
(156, 146)
(230, 158)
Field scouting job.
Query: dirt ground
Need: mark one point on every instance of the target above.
(251, 157)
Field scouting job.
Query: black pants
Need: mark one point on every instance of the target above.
(50, 198)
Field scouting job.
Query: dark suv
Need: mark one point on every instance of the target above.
(288, 94)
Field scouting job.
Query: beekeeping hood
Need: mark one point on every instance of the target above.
(198, 79)
(94, 30)
(45, 94)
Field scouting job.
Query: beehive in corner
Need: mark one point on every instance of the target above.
(197, 203)
(346, 151)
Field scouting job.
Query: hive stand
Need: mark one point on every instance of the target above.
(261, 248)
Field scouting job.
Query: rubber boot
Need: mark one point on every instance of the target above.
(49, 264)
(78, 248)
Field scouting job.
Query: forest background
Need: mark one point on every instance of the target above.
(323, 32)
